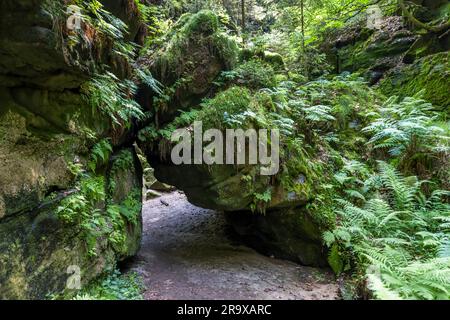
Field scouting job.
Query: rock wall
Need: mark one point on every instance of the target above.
(375, 52)
(430, 74)
(371, 52)
(47, 131)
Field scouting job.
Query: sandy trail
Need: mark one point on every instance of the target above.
(187, 254)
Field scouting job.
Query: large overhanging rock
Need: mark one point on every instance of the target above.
(47, 130)
(40, 252)
(282, 227)
(287, 233)
(227, 187)
(36, 50)
(285, 212)
(252, 194)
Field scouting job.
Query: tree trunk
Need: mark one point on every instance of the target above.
(243, 15)
(302, 5)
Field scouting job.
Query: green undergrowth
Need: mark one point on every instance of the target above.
(113, 97)
(253, 74)
(392, 232)
(97, 22)
(91, 206)
(202, 29)
(360, 155)
(113, 285)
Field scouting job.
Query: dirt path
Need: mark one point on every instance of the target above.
(186, 254)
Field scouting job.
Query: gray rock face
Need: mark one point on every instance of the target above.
(372, 52)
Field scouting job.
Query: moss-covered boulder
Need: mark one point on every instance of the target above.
(274, 59)
(48, 200)
(431, 74)
(221, 186)
(195, 53)
(43, 248)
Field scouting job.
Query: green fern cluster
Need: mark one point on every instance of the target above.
(82, 209)
(113, 98)
(398, 234)
(105, 92)
(100, 154)
(254, 74)
(90, 209)
(109, 27)
(409, 129)
(113, 285)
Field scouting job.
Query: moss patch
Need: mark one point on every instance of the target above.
(431, 74)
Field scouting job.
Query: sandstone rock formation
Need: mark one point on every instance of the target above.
(47, 129)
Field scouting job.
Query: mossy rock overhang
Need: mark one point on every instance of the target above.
(289, 233)
(285, 230)
(35, 48)
(235, 188)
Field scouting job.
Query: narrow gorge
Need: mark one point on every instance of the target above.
(87, 179)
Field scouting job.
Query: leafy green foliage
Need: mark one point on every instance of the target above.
(122, 161)
(399, 233)
(113, 286)
(145, 76)
(100, 154)
(253, 74)
(82, 209)
(105, 92)
(407, 129)
(90, 208)
(106, 25)
(131, 207)
(391, 229)
(260, 201)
